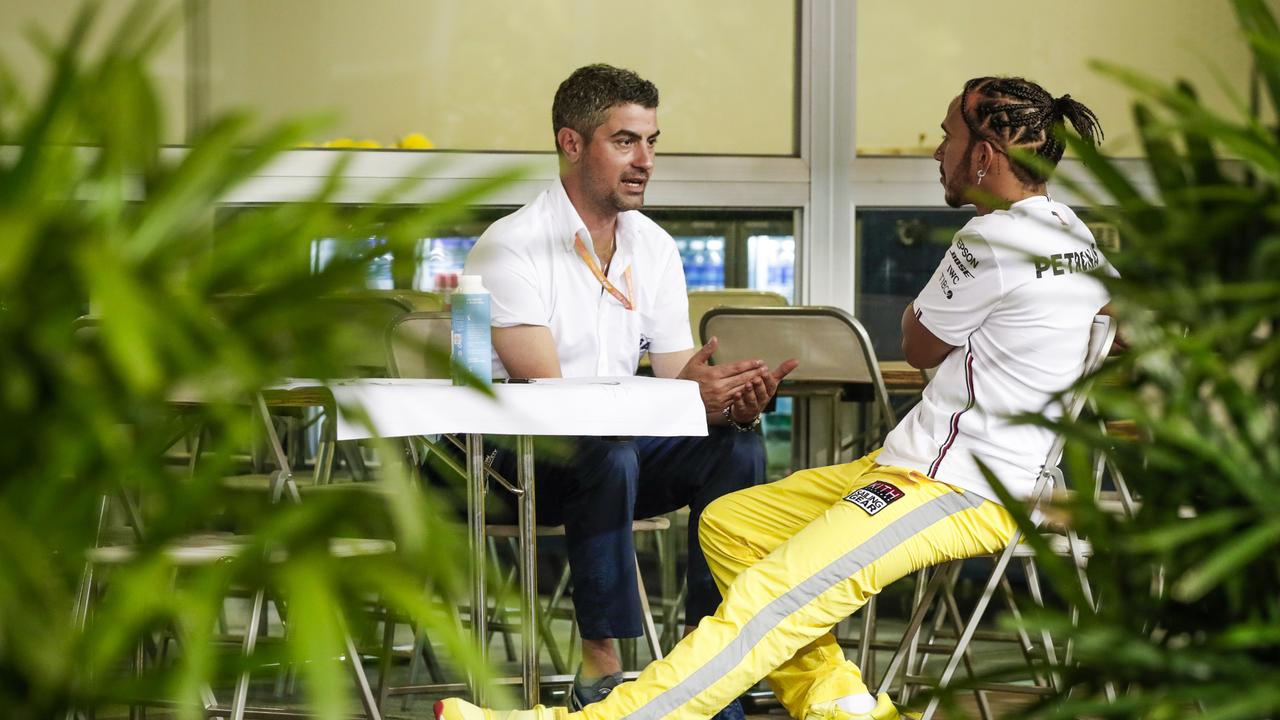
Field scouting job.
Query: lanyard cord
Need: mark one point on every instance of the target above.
(587, 258)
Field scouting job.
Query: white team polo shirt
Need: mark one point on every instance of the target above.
(528, 263)
(1016, 293)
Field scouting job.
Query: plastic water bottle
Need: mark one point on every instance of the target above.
(472, 343)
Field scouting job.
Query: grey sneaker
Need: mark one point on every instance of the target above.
(584, 693)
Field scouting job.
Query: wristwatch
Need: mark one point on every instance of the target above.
(728, 415)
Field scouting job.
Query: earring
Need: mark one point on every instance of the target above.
(981, 174)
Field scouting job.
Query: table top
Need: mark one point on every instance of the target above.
(898, 375)
(605, 406)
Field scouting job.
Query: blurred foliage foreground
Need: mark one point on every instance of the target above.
(92, 207)
(1189, 588)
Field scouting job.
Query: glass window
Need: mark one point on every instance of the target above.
(771, 264)
(734, 249)
(719, 249)
(480, 75)
(898, 250)
(903, 87)
(29, 67)
(437, 262)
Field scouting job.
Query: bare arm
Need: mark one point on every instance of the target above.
(1118, 345)
(527, 351)
(921, 347)
(669, 365)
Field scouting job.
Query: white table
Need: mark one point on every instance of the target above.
(375, 407)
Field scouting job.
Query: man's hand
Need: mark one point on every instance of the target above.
(755, 398)
(746, 385)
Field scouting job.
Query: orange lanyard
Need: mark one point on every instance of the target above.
(587, 258)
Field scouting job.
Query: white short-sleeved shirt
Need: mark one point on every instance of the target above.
(535, 277)
(1016, 292)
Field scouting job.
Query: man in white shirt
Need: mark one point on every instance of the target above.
(1006, 320)
(582, 285)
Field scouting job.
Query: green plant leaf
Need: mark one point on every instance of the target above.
(1227, 561)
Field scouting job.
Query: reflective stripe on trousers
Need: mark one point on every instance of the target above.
(793, 558)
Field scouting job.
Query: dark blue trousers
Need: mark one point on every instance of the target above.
(595, 487)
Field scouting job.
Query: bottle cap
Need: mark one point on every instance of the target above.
(470, 284)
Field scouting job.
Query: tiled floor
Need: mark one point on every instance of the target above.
(420, 706)
(893, 604)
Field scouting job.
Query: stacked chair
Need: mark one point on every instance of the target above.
(284, 445)
(203, 548)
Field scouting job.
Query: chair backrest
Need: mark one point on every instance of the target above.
(414, 300)
(360, 318)
(365, 316)
(417, 345)
(700, 301)
(831, 345)
(85, 328)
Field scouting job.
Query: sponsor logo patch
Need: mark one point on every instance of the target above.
(874, 497)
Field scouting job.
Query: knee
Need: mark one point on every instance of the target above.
(608, 468)
(714, 524)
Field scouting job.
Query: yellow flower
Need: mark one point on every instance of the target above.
(415, 141)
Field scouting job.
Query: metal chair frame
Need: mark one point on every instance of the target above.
(204, 549)
(407, 341)
(1101, 335)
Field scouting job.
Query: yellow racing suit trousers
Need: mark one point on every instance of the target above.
(792, 559)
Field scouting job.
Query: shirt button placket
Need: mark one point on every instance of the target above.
(602, 334)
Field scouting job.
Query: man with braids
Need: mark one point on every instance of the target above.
(582, 285)
(1006, 320)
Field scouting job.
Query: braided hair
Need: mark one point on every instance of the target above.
(1013, 112)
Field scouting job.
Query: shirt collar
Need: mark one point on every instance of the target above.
(568, 222)
(1031, 200)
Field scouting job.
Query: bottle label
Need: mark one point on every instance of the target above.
(472, 344)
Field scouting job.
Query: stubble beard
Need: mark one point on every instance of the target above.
(610, 198)
(955, 188)
(623, 203)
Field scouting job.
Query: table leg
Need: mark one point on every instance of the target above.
(476, 488)
(528, 571)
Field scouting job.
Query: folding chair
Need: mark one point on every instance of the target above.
(837, 362)
(939, 588)
(417, 345)
(702, 301)
(205, 548)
